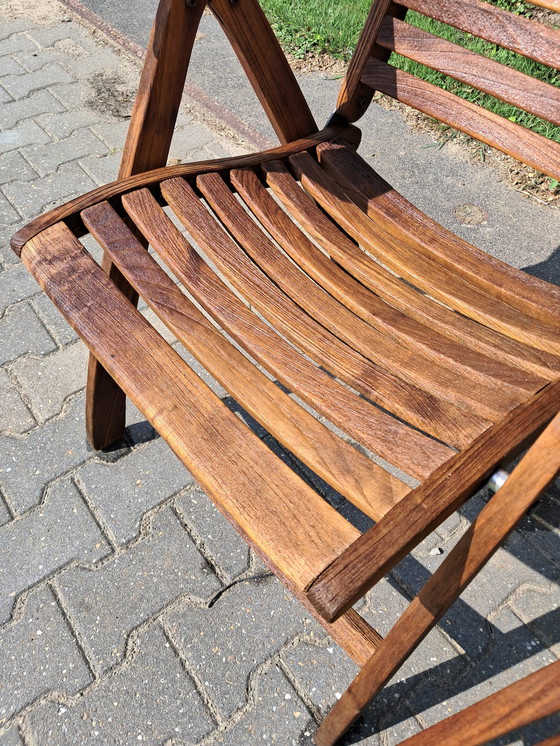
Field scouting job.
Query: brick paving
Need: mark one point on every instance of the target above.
(130, 611)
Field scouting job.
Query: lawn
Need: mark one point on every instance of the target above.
(312, 27)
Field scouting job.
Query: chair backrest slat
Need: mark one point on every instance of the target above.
(388, 42)
(489, 76)
(479, 18)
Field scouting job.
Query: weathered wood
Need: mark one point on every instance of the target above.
(497, 519)
(266, 67)
(534, 697)
(481, 72)
(412, 519)
(525, 145)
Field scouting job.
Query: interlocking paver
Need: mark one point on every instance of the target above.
(48, 157)
(45, 453)
(41, 655)
(15, 42)
(220, 540)
(15, 417)
(47, 381)
(148, 701)
(13, 343)
(102, 169)
(46, 539)
(135, 484)
(57, 326)
(68, 181)
(19, 86)
(9, 66)
(14, 166)
(110, 601)
(17, 284)
(10, 737)
(24, 133)
(62, 125)
(39, 58)
(246, 626)
(39, 102)
(7, 213)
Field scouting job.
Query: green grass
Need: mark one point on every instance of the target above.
(326, 27)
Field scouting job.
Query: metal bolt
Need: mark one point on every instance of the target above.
(497, 480)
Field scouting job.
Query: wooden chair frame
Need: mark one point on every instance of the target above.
(319, 556)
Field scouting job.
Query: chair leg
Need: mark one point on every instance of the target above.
(530, 478)
(147, 147)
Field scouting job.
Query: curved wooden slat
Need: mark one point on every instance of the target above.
(384, 284)
(365, 304)
(422, 271)
(529, 38)
(527, 146)
(364, 483)
(398, 216)
(488, 398)
(462, 64)
(260, 495)
(393, 441)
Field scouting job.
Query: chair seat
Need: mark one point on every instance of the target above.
(372, 351)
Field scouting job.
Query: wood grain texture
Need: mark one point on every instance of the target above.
(497, 519)
(380, 433)
(481, 72)
(533, 149)
(534, 697)
(357, 263)
(259, 494)
(266, 67)
(110, 191)
(368, 486)
(424, 270)
(380, 548)
(529, 38)
(399, 217)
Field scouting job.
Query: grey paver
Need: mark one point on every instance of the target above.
(7, 212)
(62, 125)
(19, 86)
(220, 540)
(110, 601)
(47, 381)
(10, 737)
(16, 42)
(4, 96)
(124, 491)
(13, 343)
(45, 453)
(15, 417)
(245, 627)
(48, 157)
(44, 540)
(9, 66)
(69, 180)
(102, 169)
(277, 716)
(149, 701)
(24, 133)
(41, 655)
(39, 102)
(13, 166)
(57, 326)
(38, 58)
(17, 284)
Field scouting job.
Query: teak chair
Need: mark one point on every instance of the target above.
(301, 265)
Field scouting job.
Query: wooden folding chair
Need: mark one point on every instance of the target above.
(300, 265)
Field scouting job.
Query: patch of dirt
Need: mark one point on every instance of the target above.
(112, 94)
(317, 63)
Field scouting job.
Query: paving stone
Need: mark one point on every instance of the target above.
(14, 166)
(9, 66)
(10, 737)
(10, 26)
(7, 212)
(15, 417)
(72, 95)
(44, 540)
(16, 42)
(111, 131)
(38, 58)
(21, 332)
(110, 601)
(17, 284)
(57, 326)
(104, 169)
(124, 491)
(43, 454)
(101, 60)
(247, 625)
(62, 125)
(48, 36)
(5, 515)
(539, 608)
(34, 197)
(148, 701)
(47, 381)
(19, 86)
(39, 102)
(227, 549)
(186, 141)
(40, 655)
(24, 133)
(277, 716)
(4, 96)
(47, 158)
